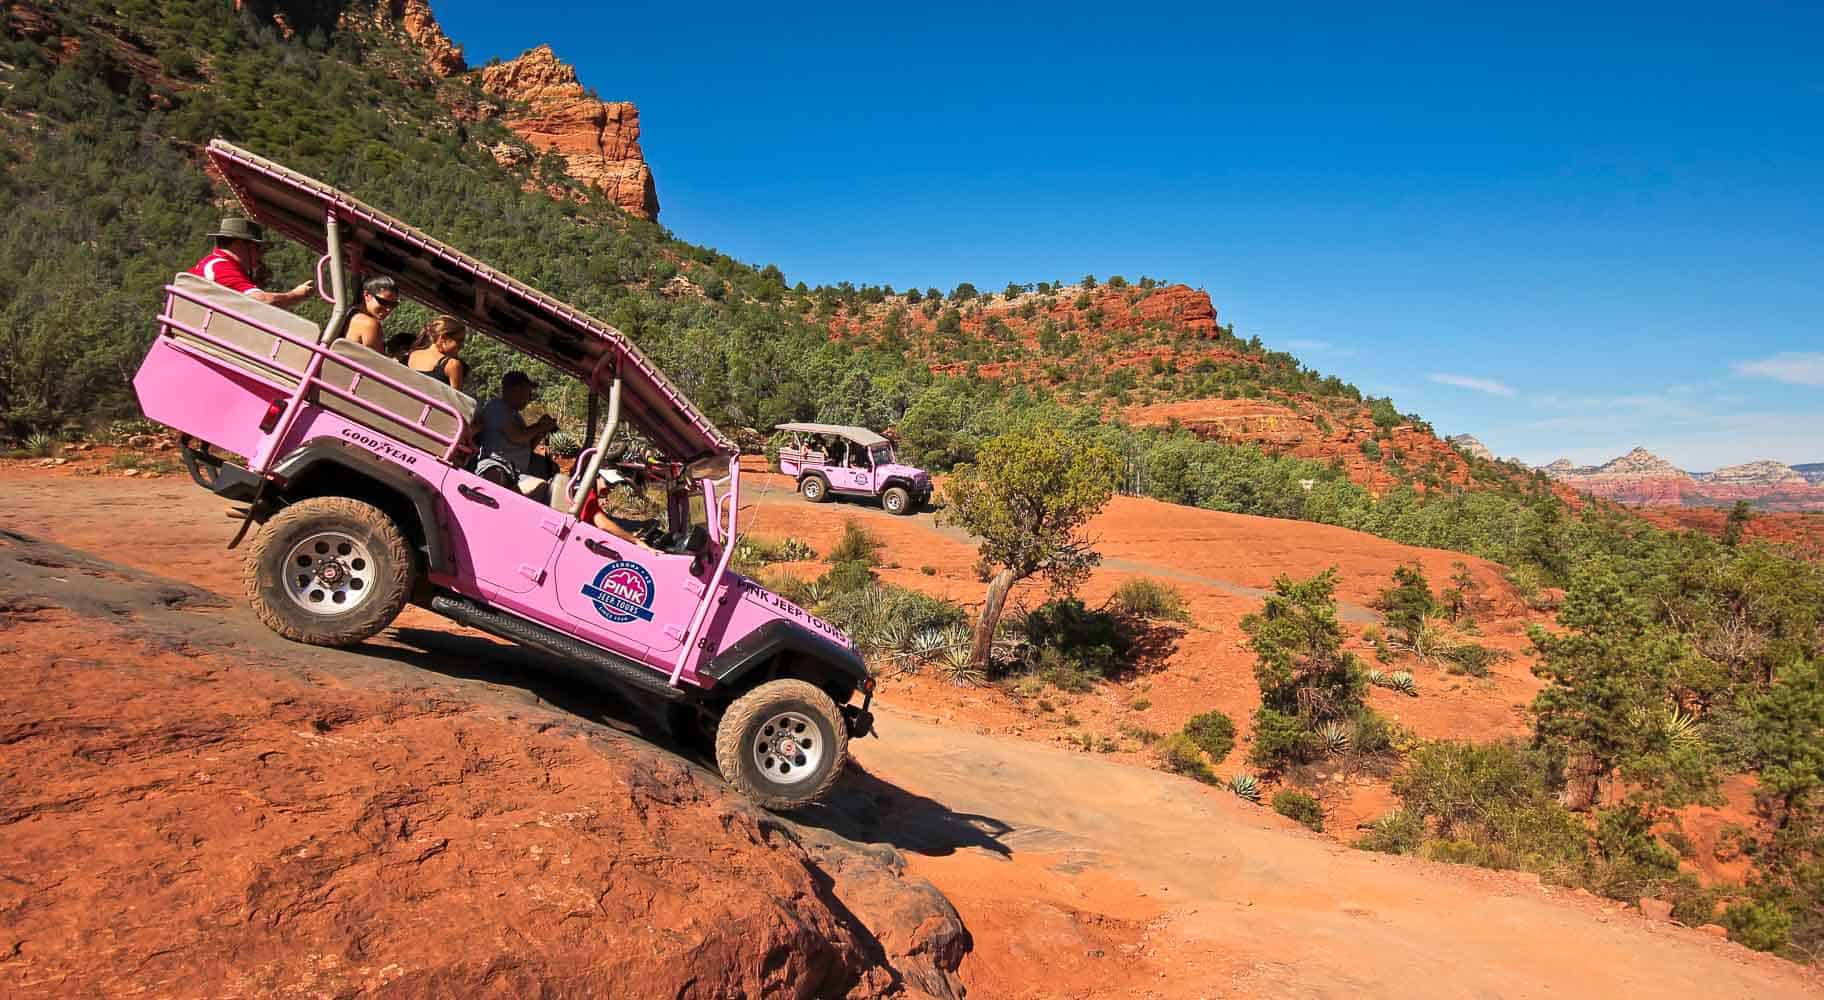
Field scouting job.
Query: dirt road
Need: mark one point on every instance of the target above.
(1077, 876)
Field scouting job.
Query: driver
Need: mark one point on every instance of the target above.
(608, 484)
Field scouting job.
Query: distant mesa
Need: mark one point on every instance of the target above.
(1643, 478)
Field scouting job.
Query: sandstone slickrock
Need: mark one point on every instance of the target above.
(599, 140)
(189, 808)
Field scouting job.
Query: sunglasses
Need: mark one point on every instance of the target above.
(391, 303)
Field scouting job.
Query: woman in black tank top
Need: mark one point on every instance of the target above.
(435, 352)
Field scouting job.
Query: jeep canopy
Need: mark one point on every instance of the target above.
(449, 281)
(860, 435)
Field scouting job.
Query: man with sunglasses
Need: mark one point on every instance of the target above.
(379, 297)
(236, 258)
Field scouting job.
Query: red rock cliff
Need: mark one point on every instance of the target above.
(599, 140)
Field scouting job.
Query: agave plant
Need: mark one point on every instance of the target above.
(893, 636)
(41, 444)
(928, 642)
(1402, 682)
(955, 663)
(1377, 677)
(1336, 738)
(1246, 786)
(563, 444)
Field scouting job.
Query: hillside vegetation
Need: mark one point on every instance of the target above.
(103, 108)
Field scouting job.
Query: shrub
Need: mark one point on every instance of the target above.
(1298, 806)
(1371, 449)
(1179, 755)
(857, 544)
(1065, 632)
(1398, 832)
(1141, 704)
(1149, 598)
(1472, 658)
(848, 577)
(1759, 925)
(928, 570)
(1281, 739)
(1408, 603)
(1213, 732)
(1692, 904)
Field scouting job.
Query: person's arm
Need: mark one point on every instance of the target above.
(519, 432)
(457, 371)
(284, 300)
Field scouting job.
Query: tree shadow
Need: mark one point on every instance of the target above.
(1154, 642)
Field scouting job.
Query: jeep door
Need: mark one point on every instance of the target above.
(856, 474)
(500, 537)
(623, 595)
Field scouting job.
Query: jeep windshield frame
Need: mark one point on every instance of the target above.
(449, 281)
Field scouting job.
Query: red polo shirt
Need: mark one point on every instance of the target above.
(224, 269)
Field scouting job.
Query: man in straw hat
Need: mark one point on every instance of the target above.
(237, 256)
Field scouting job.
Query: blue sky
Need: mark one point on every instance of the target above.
(1566, 232)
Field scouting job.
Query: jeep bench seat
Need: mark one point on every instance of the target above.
(398, 414)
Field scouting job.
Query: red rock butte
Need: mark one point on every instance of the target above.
(599, 140)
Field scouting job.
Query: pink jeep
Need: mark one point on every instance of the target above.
(357, 471)
(851, 461)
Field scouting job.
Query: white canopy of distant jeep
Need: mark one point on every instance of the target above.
(859, 435)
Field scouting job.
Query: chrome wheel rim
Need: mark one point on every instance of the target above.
(894, 503)
(812, 489)
(788, 748)
(329, 573)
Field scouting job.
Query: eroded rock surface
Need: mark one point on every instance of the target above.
(190, 808)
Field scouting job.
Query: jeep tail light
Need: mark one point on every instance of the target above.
(274, 410)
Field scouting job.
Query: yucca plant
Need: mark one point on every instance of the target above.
(41, 445)
(893, 636)
(1402, 682)
(1378, 678)
(1336, 738)
(928, 642)
(1246, 786)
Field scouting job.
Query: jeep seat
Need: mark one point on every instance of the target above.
(397, 415)
(401, 412)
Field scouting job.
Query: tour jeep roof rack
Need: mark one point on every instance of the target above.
(449, 281)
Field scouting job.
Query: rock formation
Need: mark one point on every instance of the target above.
(1468, 445)
(599, 140)
(1181, 306)
(1763, 473)
(1813, 472)
(1641, 477)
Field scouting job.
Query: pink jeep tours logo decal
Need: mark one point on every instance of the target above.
(622, 592)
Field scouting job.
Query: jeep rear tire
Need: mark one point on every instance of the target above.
(782, 744)
(896, 500)
(329, 571)
(815, 489)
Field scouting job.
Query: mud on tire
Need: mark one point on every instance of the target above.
(782, 744)
(329, 571)
(815, 489)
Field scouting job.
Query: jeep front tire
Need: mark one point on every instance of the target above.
(814, 489)
(329, 571)
(896, 500)
(782, 744)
